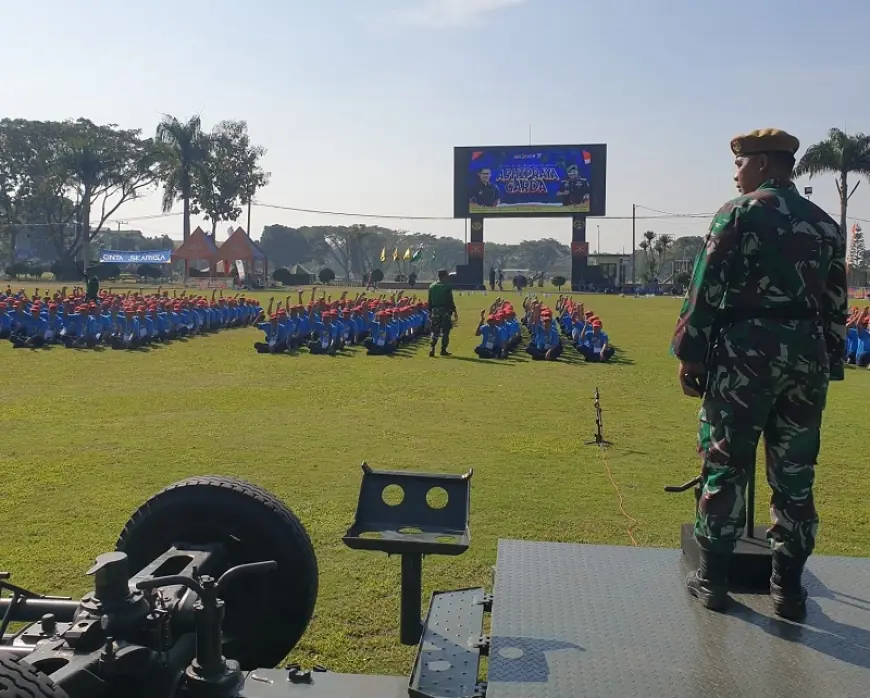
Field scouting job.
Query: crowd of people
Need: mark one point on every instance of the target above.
(326, 326)
(87, 319)
(858, 336)
(501, 333)
(585, 330)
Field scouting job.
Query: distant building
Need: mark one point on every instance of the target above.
(616, 268)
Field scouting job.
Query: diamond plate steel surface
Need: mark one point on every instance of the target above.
(447, 664)
(584, 621)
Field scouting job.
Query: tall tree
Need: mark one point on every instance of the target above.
(185, 150)
(106, 166)
(230, 175)
(541, 255)
(656, 249)
(253, 176)
(857, 251)
(842, 155)
(285, 246)
(687, 247)
(56, 174)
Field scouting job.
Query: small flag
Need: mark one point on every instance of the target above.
(407, 256)
(396, 255)
(384, 255)
(417, 255)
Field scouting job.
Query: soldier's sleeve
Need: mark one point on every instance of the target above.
(451, 304)
(835, 306)
(713, 267)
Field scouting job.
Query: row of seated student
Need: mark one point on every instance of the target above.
(324, 326)
(499, 330)
(858, 336)
(122, 321)
(585, 330)
(501, 333)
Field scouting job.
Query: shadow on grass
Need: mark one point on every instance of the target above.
(482, 362)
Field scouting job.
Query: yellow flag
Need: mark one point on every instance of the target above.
(384, 255)
(407, 254)
(396, 255)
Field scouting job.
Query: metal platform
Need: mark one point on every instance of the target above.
(584, 621)
(274, 683)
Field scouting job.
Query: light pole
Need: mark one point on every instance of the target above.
(633, 242)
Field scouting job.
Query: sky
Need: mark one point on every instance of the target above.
(360, 103)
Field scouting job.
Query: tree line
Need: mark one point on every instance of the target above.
(354, 250)
(61, 181)
(66, 179)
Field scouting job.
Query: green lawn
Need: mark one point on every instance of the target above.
(88, 436)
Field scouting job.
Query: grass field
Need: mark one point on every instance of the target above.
(88, 436)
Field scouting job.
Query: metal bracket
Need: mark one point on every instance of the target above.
(479, 690)
(483, 644)
(486, 602)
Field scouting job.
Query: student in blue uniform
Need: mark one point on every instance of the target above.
(325, 337)
(493, 337)
(856, 329)
(5, 322)
(596, 346)
(32, 334)
(382, 339)
(546, 344)
(276, 335)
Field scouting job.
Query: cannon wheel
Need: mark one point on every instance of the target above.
(266, 615)
(20, 680)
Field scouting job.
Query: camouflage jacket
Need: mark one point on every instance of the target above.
(769, 252)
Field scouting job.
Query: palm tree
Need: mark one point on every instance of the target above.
(840, 154)
(186, 152)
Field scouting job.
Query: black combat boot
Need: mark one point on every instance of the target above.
(786, 591)
(709, 583)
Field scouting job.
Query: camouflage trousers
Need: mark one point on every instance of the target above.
(441, 326)
(744, 400)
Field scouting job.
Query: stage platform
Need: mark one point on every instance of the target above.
(578, 621)
(589, 621)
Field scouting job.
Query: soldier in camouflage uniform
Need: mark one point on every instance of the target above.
(442, 309)
(760, 335)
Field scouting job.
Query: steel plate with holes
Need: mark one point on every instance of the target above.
(585, 621)
(447, 659)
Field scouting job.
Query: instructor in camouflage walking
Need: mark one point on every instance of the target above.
(443, 311)
(760, 335)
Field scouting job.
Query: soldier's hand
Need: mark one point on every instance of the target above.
(691, 376)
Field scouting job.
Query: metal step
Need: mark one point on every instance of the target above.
(448, 657)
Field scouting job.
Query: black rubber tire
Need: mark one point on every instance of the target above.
(20, 680)
(266, 615)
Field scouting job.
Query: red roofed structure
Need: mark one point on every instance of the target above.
(239, 246)
(198, 247)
